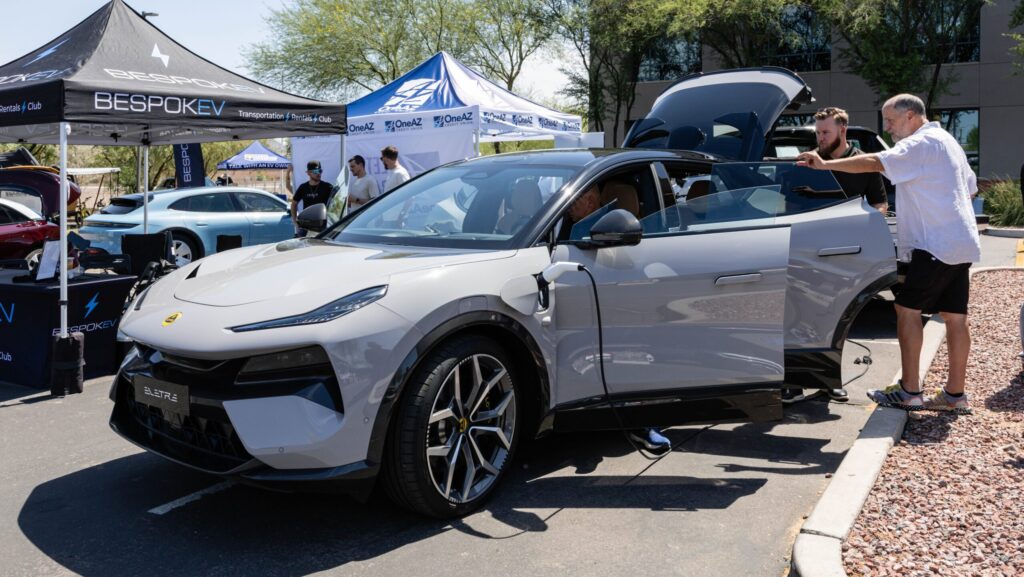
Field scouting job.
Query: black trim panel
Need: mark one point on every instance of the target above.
(756, 402)
(823, 368)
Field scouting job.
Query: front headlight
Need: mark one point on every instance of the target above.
(328, 312)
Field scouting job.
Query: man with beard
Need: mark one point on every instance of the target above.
(830, 130)
(830, 126)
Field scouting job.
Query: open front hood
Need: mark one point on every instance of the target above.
(292, 269)
(727, 114)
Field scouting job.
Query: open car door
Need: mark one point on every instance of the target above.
(691, 317)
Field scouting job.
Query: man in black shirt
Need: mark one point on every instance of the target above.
(830, 129)
(315, 191)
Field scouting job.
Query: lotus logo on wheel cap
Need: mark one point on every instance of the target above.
(171, 319)
(463, 425)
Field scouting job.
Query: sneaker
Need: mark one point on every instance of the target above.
(652, 440)
(790, 396)
(896, 397)
(940, 401)
(838, 395)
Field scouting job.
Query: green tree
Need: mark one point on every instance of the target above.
(574, 22)
(609, 39)
(341, 48)
(902, 45)
(504, 34)
(1017, 20)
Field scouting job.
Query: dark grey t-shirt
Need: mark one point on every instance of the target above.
(866, 184)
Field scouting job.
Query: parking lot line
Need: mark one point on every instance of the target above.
(167, 507)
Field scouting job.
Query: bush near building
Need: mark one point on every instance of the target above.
(1003, 202)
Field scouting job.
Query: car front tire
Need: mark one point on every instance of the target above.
(456, 429)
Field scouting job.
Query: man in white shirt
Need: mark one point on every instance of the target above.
(397, 174)
(937, 240)
(363, 187)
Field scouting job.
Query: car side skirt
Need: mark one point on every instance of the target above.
(755, 402)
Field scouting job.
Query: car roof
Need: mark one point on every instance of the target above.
(172, 194)
(21, 208)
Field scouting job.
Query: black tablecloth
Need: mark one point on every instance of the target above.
(30, 317)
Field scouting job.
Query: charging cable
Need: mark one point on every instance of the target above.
(544, 280)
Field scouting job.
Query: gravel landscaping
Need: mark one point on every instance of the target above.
(950, 497)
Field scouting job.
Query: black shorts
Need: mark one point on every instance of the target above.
(929, 285)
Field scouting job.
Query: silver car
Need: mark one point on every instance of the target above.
(421, 339)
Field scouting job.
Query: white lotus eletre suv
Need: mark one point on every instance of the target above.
(413, 341)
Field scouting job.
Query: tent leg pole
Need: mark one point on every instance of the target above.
(64, 129)
(138, 169)
(478, 140)
(145, 189)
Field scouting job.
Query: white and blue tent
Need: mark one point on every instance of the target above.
(437, 112)
(254, 157)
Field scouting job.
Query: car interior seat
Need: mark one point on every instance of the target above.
(698, 189)
(524, 203)
(624, 193)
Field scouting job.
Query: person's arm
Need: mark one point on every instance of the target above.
(856, 164)
(294, 204)
(876, 194)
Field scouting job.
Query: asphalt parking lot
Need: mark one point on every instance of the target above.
(727, 501)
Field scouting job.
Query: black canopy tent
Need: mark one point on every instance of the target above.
(115, 79)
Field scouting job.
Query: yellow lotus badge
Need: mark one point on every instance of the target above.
(171, 319)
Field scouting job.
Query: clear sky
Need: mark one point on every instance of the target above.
(218, 30)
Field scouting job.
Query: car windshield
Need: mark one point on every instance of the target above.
(486, 204)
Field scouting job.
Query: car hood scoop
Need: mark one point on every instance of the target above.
(297, 267)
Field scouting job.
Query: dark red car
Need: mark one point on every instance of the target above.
(37, 187)
(23, 232)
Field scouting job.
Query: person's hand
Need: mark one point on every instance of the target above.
(810, 159)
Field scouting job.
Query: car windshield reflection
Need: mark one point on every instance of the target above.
(482, 205)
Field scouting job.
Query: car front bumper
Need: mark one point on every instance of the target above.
(223, 408)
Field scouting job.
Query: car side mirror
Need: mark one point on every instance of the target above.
(313, 218)
(617, 228)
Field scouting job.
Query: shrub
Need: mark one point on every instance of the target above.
(1003, 203)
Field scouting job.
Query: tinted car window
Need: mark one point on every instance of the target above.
(210, 202)
(747, 194)
(121, 206)
(633, 190)
(6, 215)
(252, 202)
(22, 196)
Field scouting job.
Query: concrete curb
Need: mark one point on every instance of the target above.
(817, 551)
(1004, 232)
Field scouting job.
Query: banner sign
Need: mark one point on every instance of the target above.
(188, 166)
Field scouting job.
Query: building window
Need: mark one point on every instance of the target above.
(967, 46)
(964, 124)
(803, 42)
(669, 59)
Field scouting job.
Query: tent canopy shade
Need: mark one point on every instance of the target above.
(442, 83)
(255, 156)
(117, 79)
